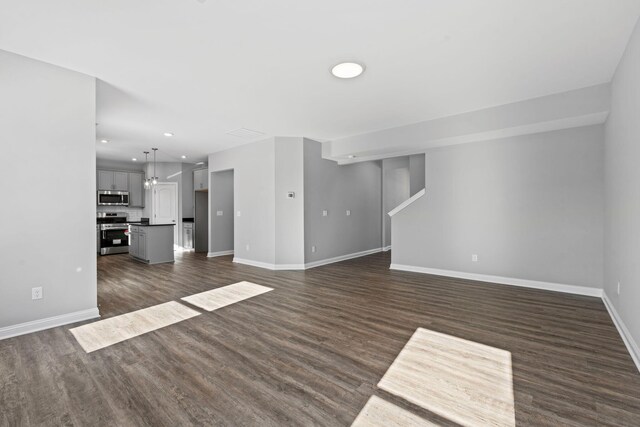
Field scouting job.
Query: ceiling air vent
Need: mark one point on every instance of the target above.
(245, 133)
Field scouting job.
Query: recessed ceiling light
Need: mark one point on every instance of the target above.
(184, 157)
(134, 160)
(347, 70)
(104, 141)
(167, 134)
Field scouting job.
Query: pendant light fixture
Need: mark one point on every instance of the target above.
(155, 178)
(147, 181)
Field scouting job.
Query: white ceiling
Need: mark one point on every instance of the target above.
(202, 69)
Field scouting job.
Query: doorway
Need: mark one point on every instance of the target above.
(201, 232)
(221, 232)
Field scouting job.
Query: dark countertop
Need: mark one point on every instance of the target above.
(146, 224)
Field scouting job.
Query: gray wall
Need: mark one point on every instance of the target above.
(289, 226)
(47, 115)
(334, 188)
(530, 207)
(187, 190)
(395, 190)
(254, 180)
(622, 172)
(416, 173)
(221, 199)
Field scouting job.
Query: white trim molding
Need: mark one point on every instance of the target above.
(627, 338)
(407, 202)
(549, 286)
(308, 265)
(253, 263)
(386, 248)
(47, 323)
(220, 253)
(341, 258)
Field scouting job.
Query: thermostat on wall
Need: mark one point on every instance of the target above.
(291, 195)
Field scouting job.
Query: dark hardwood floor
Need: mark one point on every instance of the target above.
(312, 351)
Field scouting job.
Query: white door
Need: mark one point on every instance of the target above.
(165, 206)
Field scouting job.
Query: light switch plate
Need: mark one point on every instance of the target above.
(219, 213)
(36, 293)
(239, 213)
(348, 213)
(325, 213)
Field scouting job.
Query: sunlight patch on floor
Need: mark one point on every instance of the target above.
(464, 381)
(380, 413)
(104, 333)
(226, 295)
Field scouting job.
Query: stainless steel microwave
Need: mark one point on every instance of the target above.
(113, 198)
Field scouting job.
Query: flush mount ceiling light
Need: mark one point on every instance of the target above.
(134, 160)
(104, 141)
(347, 70)
(168, 134)
(184, 157)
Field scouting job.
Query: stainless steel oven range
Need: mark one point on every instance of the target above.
(112, 232)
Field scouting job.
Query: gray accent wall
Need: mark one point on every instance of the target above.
(417, 173)
(531, 207)
(336, 189)
(47, 114)
(395, 190)
(254, 181)
(221, 199)
(622, 177)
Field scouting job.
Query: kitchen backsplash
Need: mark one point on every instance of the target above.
(133, 214)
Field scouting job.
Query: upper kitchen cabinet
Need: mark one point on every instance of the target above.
(113, 180)
(136, 190)
(200, 179)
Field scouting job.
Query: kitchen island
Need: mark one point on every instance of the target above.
(151, 243)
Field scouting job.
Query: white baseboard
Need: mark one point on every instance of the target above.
(220, 253)
(308, 265)
(549, 286)
(386, 248)
(341, 258)
(253, 263)
(288, 267)
(632, 346)
(49, 322)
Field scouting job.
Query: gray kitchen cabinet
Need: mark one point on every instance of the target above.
(152, 244)
(136, 190)
(121, 181)
(105, 180)
(200, 179)
(133, 242)
(113, 180)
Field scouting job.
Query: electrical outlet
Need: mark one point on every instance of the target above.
(219, 213)
(618, 288)
(247, 248)
(474, 257)
(313, 248)
(348, 212)
(325, 213)
(36, 293)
